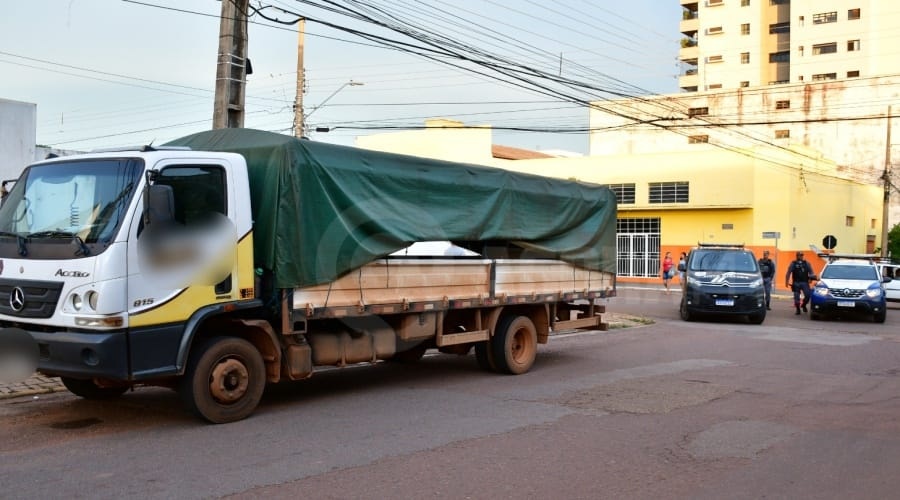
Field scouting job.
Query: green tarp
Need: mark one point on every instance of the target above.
(322, 210)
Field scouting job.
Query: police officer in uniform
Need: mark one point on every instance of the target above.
(767, 270)
(798, 275)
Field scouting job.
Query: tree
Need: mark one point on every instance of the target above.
(894, 242)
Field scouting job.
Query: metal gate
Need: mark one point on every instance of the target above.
(638, 249)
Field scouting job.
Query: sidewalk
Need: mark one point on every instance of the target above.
(37, 384)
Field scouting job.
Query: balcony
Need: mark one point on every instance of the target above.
(689, 26)
(690, 53)
(689, 80)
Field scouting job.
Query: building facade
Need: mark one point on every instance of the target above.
(729, 44)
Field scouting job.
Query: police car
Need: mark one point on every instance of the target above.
(849, 284)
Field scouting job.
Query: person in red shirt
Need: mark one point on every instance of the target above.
(668, 270)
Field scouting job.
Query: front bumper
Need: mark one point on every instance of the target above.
(831, 305)
(83, 355)
(719, 301)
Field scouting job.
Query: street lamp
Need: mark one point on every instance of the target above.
(351, 83)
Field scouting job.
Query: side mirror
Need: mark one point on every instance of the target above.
(159, 205)
(886, 279)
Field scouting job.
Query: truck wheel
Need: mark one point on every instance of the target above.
(89, 390)
(685, 312)
(224, 380)
(880, 317)
(483, 356)
(514, 345)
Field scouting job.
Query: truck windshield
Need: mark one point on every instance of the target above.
(85, 199)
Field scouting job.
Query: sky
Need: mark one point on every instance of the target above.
(108, 73)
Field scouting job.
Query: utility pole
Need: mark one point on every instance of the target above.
(232, 65)
(886, 176)
(301, 81)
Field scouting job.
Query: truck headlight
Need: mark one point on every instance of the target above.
(77, 301)
(92, 298)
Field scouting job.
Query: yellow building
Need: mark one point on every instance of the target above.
(672, 201)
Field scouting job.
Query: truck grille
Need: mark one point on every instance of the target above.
(29, 299)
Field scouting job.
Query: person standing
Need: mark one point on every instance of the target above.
(767, 270)
(682, 265)
(667, 271)
(798, 275)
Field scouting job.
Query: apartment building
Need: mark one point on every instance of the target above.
(728, 44)
(817, 79)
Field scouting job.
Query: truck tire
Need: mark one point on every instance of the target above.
(483, 356)
(224, 380)
(87, 389)
(514, 345)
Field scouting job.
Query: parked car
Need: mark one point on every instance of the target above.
(891, 288)
(722, 279)
(850, 284)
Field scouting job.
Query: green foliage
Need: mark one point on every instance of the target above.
(894, 242)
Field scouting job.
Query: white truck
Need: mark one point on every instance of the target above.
(214, 272)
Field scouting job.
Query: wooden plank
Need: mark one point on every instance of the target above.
(575, 324)
(462, 338)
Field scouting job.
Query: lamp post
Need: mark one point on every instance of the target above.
(351, 83)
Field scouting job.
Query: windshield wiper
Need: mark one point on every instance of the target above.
(20, 241)
(83, 249)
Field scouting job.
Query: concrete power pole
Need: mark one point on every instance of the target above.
(301, 81)
(231, 69)
(886, 176)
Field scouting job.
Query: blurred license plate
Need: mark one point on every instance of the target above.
(726, 302)
(846, 303)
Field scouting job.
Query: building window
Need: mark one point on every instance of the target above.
(800, 78)
(874, 223)
(745, 3)
(782, 134)
(745, 58)
(824, 76)
(824, 48)
(784, 56)
(745, 84)
(727, 227)
(692, 112)
(669, 192)
(745, 29)
(715, 30)
(779, 2)
(714, 86)
(714, 59)
(624, 193)
(782, 104)
(852, 14)
(698, 139)
(852, 45)
(713, 3)
(853, 74)
(850, 220)
(776, 28)
(825, 17)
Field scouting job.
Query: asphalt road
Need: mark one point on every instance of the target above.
(788, 409)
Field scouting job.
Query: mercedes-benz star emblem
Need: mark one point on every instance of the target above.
(17, 299)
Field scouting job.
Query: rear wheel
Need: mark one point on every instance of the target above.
(90, 390)
(224, 380)
(514, 345)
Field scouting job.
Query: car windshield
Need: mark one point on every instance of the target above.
(87, 199)
(850, 273)
(718, 260)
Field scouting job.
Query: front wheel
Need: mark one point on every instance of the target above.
(514, 345)
(879, 317)
(757, 318)
(685, 312)
(224, 380)
(90, 390)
